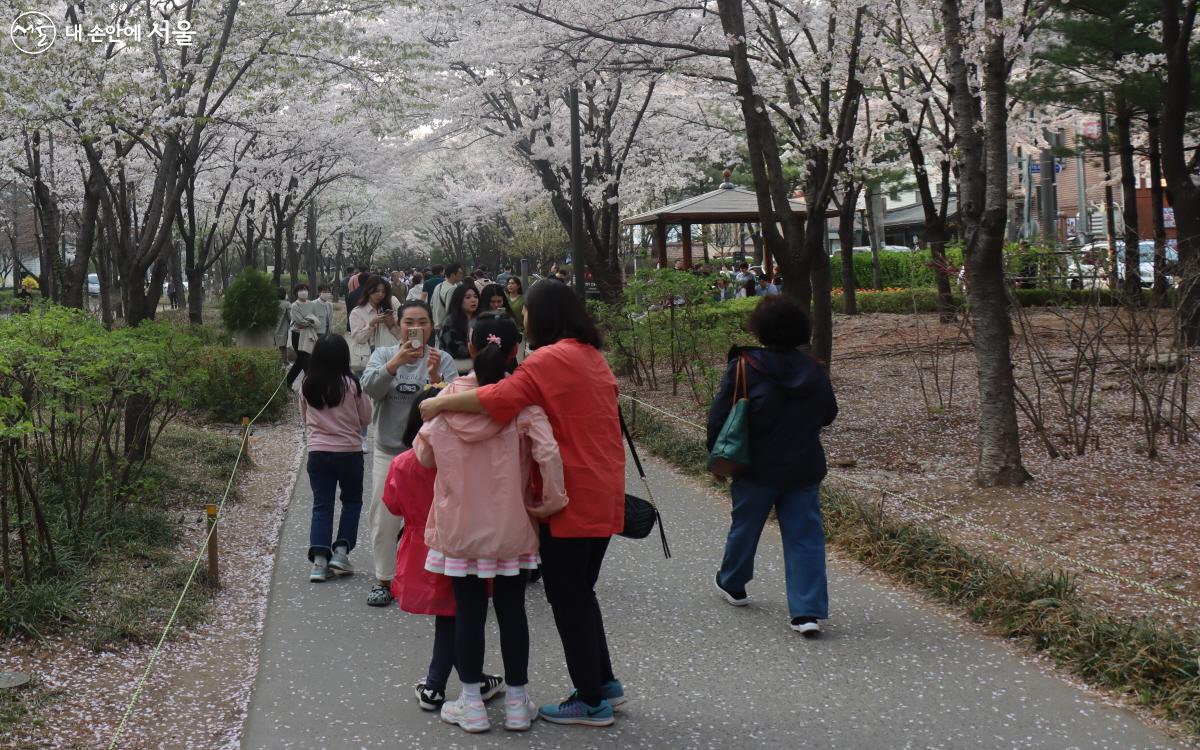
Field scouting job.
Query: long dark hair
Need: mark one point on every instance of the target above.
(556, 313)
(368, 288)
(485, 298)
(750, 286)
(328, 369)
(495, 340)
(455, 317)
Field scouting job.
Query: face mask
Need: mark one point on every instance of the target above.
(302, 294)
(326, 296)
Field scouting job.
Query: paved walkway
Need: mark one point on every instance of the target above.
(888, 672)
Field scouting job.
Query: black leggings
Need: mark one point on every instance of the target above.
(508, 597)
(570, 568)
(301, 364)
(443, 653)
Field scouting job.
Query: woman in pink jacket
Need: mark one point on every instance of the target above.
(482, 526)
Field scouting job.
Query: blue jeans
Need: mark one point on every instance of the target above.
(803, 543)
(327, 470)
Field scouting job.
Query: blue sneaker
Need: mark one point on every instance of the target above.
(613, 692)
(575, 711)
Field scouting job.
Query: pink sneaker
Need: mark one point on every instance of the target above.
(519, 715)
(470, 715)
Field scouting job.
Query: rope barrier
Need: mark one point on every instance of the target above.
(996, 533)
(191, 576)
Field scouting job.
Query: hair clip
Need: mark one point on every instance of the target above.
(493, 339)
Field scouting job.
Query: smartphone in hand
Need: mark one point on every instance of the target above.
(415, 338)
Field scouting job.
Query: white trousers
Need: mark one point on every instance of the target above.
(385, 527)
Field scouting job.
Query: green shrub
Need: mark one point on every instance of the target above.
(250, 303)
(68, 461)
(896, 269)
(238, 382)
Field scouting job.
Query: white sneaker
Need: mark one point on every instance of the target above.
(470, 715)
(320, 570)
(806, 626)
(340, 563)
(519, 715)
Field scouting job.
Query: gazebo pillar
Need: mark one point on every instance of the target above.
(687, 245)
(660, 239)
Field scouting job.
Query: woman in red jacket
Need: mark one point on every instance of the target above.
(568, 377)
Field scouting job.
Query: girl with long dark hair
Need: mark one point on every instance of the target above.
(334, 410)
(455, 335)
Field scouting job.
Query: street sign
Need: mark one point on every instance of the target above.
(1036, 167)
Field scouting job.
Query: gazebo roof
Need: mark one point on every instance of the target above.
(723, 205)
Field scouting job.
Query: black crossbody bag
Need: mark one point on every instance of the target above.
(641, 515)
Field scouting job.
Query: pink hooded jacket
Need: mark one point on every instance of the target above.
(482, 502)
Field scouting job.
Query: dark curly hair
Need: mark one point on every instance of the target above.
(780, 322)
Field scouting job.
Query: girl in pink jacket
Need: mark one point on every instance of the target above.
(409, 494)
(482, 523)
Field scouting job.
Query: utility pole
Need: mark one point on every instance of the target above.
(1049, 207)
(576, 195)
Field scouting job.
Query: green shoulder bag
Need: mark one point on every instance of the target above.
(731, 451)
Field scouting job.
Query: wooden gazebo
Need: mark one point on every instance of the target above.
(728, 204)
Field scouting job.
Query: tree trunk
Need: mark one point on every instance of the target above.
(310, 255)
(983, 160)
(846, 239)
(1110, 260)
(1132, 288)
(873, 238)
(1182, 190)
(1158, 294)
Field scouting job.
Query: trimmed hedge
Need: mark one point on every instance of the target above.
(250, 302)
(905, 270)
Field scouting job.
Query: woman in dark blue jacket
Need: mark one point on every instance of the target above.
(791, 399)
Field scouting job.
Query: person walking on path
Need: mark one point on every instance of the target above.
(432, 279)
(455, 333)
(439, 300)
(568, 377)
(516, 299)
(373, 322)
(325, 305)
(492, 298)
(333, 409)
(409, 495)
(393, 378)
(283, 326)
(791, 399)
(305, 318)
(481, 524)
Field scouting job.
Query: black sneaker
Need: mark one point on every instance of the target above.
(428, 698)
(806, 626)
(492, 685)
(736, 598)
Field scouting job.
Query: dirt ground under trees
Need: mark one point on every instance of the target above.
(907, 394)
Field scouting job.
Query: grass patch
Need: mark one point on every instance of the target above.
(1156, 665)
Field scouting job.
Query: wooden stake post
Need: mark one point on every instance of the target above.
(213, 567)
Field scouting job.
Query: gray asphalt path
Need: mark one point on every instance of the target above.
(889, 671)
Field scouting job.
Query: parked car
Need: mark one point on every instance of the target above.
(882, 249)
(1089, 265)
(93, 285)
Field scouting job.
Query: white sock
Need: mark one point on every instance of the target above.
(515, 694)
(471, 692)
